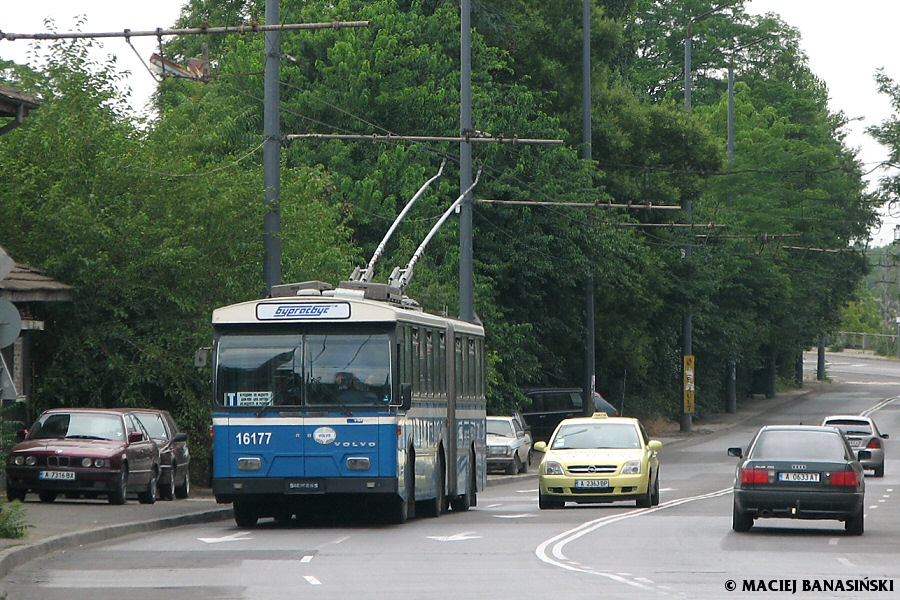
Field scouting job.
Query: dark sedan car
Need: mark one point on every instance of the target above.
(90, 452)
(174, 456)
(799, 472)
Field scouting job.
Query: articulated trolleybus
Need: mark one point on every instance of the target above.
(353, 393)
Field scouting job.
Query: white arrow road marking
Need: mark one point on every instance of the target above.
(456, 537)
(234, 537)
(306, 559)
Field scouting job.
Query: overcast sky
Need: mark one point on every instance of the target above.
(846, 43)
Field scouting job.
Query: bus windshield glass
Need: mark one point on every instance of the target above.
(312, 370)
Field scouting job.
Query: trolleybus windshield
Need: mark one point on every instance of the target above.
(312, 370)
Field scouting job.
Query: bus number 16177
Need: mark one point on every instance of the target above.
(251, 438)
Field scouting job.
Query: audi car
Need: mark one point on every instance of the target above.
(799, 472)
(599, 459)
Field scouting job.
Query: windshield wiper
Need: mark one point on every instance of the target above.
(86, 437)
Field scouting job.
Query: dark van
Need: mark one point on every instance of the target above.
(549, 406)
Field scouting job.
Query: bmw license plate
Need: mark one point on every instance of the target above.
(67, 475)
(813, 477)
(587, 484)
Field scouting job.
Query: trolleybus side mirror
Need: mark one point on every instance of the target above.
(405, 400)
(201, 358)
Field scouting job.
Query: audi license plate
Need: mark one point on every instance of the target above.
(587, 484)
(814, 477)
(68, 475)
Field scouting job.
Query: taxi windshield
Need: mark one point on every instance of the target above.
(584, 436)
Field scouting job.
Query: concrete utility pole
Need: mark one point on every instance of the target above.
(272, 152)
(590, 366)
(686, 321)
(466, 269)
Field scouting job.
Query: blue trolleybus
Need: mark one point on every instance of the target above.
(352, 395)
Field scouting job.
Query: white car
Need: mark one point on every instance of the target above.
(508, 445)
(862, 434)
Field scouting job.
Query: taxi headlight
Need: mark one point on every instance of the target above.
(30, 461)
(632, 467)
(553, 468)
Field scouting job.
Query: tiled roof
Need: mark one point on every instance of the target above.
(27, 284)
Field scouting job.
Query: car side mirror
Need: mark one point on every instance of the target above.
(885, 436)
(654, 445)
(405, 400)
(540, 446)
(21, 435)
(135, 436)
(864, 455)
(736, 452)
(180, 437)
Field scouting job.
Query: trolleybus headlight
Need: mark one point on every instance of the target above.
(358, 463)
(249, 464)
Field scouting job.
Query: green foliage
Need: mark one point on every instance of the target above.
(13, 520)
(157, 223)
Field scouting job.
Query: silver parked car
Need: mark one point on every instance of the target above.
(508, 445)
(862, 434)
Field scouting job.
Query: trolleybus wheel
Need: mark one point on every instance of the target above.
(245, 514)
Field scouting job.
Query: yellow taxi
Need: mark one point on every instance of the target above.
(599, 459)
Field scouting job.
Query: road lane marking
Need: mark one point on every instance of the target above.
(312, 580)
(234, 537)
(846, 562)
(456, 537)
(306, 559)
(878, 406)
(551, 551)
(518, 516)
(834, 541)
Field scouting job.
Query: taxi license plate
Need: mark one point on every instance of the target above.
(67, 475)
(813, 477)
(586, 484)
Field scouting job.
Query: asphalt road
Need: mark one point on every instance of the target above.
(507, 548)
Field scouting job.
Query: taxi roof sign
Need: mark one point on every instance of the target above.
(600, 415)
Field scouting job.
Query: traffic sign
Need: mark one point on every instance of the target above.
(688, 385)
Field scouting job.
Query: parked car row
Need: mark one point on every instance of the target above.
(93, 452)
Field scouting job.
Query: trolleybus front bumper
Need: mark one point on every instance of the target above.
(227, 489)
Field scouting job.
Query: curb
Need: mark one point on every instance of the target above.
(16, 556)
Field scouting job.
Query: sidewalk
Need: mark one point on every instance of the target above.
(66, 524)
